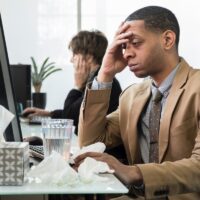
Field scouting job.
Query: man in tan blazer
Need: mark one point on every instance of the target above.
(147, 42)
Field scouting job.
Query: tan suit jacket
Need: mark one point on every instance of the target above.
(178, 173)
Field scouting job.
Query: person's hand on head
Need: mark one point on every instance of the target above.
(81, 70)
(32, 111)
(113, 61)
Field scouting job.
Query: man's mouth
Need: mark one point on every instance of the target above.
(133, 67)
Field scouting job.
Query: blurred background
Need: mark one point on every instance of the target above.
(43, 28)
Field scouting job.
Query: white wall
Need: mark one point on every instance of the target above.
(42, 28)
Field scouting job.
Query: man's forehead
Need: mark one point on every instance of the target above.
(135, 24)
(137, 27)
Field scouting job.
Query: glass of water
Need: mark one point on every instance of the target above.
(57, 135)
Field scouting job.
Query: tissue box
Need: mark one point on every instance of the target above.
(14, 162)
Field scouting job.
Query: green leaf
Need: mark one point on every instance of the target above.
(44, 64)
(47, 68)
(55, 70)
(38, 75)
(34, 65)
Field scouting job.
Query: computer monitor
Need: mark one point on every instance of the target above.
(21, 79)
(13, 132)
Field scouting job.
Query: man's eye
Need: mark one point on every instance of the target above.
(136, 43)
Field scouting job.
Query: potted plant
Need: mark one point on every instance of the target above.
(38, 75)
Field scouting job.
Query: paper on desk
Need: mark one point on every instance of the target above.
(5, 119)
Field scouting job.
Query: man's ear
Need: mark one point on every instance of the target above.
(169, 39)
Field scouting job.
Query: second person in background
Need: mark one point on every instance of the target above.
(88, 49)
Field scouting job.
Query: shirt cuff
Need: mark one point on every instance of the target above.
(137, 190)
(100, 86)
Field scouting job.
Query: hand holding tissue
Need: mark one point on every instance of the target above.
(62, 172)
(96, 147)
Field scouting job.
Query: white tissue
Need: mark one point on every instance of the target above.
(53, 170)
(5, 119)
(89, 169)
(96, 147)
(68, 176)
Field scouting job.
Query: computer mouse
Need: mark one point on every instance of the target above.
(33, 140)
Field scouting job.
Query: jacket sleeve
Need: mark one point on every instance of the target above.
(94, 123)
(170, 178)
(55, 114)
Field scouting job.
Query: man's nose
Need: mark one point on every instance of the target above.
(128, 52)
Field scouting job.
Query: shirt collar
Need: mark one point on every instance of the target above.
(167, 83)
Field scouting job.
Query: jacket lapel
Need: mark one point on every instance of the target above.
(171, 102)
(135, 111)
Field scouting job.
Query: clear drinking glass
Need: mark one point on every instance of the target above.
(57, 135)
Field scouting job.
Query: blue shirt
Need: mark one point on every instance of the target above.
(144, 138)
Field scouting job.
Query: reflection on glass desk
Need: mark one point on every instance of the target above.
(111, 186)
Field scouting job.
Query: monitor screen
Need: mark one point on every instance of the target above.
(21, 79)
(13, 132)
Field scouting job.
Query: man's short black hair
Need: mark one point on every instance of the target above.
(157, 19)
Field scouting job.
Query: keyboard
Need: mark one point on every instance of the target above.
(37, 120)
(37, 151)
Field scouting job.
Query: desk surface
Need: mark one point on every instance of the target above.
(111, 186)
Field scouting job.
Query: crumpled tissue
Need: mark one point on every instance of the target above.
(5, 118)
(96, 147)
(55, 170)
(88, 170)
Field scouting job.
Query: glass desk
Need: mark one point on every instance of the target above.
(111, 186)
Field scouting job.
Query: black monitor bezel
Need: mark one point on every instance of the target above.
(13, 131)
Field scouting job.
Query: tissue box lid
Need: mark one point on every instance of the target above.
(12, 151)
(10, 145)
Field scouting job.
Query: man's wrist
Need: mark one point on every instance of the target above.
(137, 190)
(100, 86)
(104, 77)
(137, 186)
